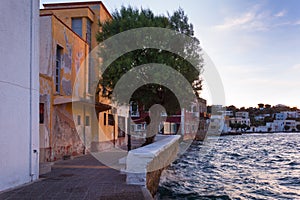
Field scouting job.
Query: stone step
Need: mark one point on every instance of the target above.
(45, 167)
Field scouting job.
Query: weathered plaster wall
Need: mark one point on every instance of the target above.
(45, 54)
(66, 15)
(64, 138)
(19, 92)
(45, 128)
(95, 14)
(59, 135)
(107, 135)
(74, 52)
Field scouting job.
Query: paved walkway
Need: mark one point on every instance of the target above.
(81, 178)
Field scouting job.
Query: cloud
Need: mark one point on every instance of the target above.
(280, 14)
(256, 19)
(235, 22)
(296, 67)
(297, 22)
(252, 20)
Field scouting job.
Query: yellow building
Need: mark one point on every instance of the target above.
(67, 35)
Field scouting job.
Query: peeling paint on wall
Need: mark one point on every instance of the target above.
(60, 136)
(68, 55)
(67, 87)
(45, 46)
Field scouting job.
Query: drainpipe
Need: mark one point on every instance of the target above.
(84, 98)
(31, 54)
(84, 118)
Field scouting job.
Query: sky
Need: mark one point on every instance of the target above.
(254, 44)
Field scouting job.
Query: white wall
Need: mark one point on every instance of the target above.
(19, 92)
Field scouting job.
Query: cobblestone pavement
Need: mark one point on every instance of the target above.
(81, 178)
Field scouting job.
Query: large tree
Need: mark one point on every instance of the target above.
(129, 18)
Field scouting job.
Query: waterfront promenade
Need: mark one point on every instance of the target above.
(81, 178)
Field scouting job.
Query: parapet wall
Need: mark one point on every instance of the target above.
(144, 165)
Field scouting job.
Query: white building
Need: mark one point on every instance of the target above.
(276, 125)
(286, 114)
(239, 120)
(261, 117)
(281, 116)
(228, 113)
(242, 114)
(279, 125)
(216, 125)
(19, 83)
(292, 114)
(291, 124)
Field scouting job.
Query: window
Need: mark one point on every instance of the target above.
(104, 120)
(121, 126)
(132, 127)
(77, 26)
(89, 33)
(140, 127)
(59, 51)
(42, 113)
(174, 128)
(87, 120)
(134, 109)
(111, 120)
(78, 120)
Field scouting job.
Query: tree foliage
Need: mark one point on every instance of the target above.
(130, 18)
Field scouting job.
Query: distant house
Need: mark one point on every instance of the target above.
(282, 125)
(290, 124)
(216, 125)
(187, 122)
(292, 114)
(228, 113)
(261, 117)
(244, 115)
(276, 126)
(281, 116)
(240, 118)
(203, 119)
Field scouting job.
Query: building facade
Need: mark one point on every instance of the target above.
(19, 83)
(203, 120)
(68, 110)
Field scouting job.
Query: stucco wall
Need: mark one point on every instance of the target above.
(59, 135)
(19, 92)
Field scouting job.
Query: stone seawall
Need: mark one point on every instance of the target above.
(145, 165)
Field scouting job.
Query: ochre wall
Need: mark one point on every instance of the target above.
(59, 135)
